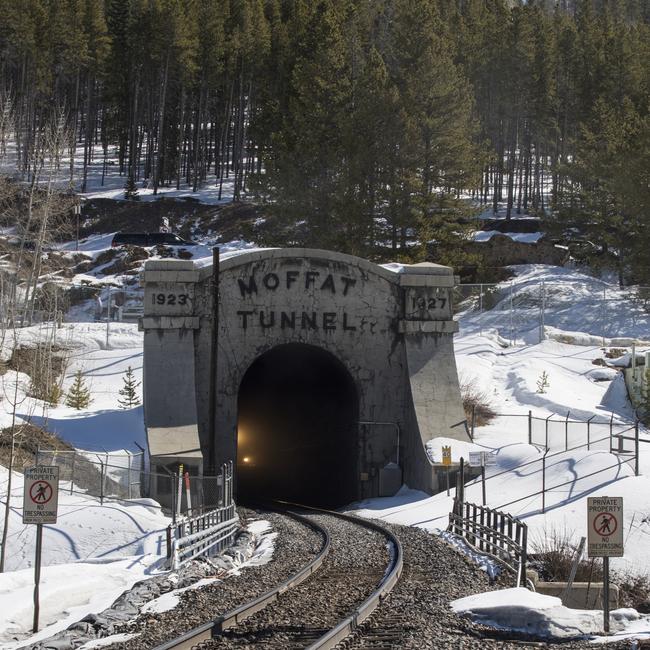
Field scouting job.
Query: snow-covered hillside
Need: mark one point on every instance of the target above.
(125, 539)
(508, 376)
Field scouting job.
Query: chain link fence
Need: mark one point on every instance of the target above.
(122, 476)
(524, 311)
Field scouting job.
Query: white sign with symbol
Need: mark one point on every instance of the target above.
(605, 526)
(41, 495)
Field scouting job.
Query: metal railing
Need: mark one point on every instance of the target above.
(615, 441)
(494, 533)
(207, 533)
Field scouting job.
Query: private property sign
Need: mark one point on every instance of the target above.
(41, 495)
(605, 526)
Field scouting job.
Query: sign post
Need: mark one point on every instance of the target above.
(605, 538)
(40, 506)
(482, 459)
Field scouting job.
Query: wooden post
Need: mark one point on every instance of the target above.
(530, 427)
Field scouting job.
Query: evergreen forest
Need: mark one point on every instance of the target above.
(351, 122)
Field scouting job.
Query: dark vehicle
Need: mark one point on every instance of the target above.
(149, 239)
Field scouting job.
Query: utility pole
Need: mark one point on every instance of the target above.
(212, 403)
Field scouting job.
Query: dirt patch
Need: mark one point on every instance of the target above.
(45, 365)
(32, 444)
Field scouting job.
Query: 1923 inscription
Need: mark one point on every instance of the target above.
(181, 299)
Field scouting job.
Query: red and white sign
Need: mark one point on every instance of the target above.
(605, 526)
(41, 495)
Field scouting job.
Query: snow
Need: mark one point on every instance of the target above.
(113, 184)
(68, 592)
(485, 562)
(458, 449)
(263, 554)
(500, 353)
(521, 237)
(108, 640)
(508, 376)
(573, 302)
(525, 611)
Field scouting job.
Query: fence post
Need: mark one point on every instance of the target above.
(544, 482)
(74, 455)
(128, 477)
(101, 482)
(169, 541)
(566, 431)
(547, 419)
(530, 427)
(38, 452)
(173, 491)
(483, 478)
(611, 431)
(636, 448)
(524, 554)
(589, 432)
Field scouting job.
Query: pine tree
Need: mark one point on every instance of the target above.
(129, 391)
(131, 189)
(79, 394)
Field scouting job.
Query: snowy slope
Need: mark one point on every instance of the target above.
(508, 376)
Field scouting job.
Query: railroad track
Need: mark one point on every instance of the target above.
(324, 602)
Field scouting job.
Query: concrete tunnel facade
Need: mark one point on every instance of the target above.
(332, 372)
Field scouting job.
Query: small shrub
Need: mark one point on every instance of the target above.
(633, 589)
(542, 382)
(552, 556)
(44, 364)
(614, 353)
(475, 400)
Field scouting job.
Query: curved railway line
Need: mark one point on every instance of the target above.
(321, 604)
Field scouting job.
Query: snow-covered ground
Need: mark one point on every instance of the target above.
(110, 185)
(508, 375)
(524, 611)
(130, 534)
(71, 591)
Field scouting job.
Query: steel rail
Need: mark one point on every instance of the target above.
(334, 636)
(209, 630)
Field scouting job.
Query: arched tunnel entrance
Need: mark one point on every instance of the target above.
(297, 428)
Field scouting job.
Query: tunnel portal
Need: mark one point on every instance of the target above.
(297, 428)
(331, 374)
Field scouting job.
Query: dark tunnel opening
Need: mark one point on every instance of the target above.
(297, 428)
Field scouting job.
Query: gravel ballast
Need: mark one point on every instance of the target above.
(295, 545)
